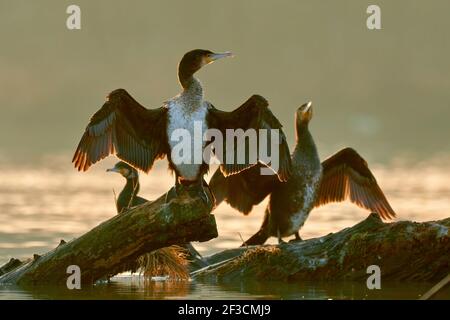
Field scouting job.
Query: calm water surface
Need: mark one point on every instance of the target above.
(49, 201)
(384, 93)
(125, 287)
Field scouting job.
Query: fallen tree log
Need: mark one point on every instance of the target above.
(10, 265)
(114, 245)
(404, 251)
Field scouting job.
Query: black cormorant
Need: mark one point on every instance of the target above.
(139, 136)
(312, 184)
(128, 196)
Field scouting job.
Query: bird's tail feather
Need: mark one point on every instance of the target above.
(258, 238)
(262, 235)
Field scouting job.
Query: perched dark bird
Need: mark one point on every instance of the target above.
(139, 136)
(128, 196)
(345, 175)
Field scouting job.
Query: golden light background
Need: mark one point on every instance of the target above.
(385, 93)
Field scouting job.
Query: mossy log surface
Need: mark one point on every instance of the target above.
(404, 251)
(116, 243)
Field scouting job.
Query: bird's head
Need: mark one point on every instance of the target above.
(194, 60)
(304, 113)
(302, 118)
(124, 169)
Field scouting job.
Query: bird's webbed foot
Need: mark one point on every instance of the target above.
(297, 238)
(206, 194)
(205, 197)
(195, 189)
(280, 239)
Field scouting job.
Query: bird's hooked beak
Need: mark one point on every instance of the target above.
(216, 56)
(304, 113)
(113, 170)
(307, 107)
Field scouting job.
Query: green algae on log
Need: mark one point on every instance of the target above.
(117, 242)
(403, 250)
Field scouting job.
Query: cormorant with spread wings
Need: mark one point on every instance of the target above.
(345, 175)
(139, 136)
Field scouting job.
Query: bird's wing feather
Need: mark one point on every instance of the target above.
(346, 175)
(125, 128)
(243, 190)
(252, 114)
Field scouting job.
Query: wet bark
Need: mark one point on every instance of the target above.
(404, 251)
(10, 265)
(115, 244)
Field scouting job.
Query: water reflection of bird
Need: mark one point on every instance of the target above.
(312, 184)
(139, 136)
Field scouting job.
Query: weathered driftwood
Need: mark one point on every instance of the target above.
(404, 251)
(115, 244)
(10, 265)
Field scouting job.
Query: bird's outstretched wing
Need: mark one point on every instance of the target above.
(252, 114)
(242, 190)
(346, 175)
(125, 128)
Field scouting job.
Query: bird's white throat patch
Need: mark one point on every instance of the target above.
(181, 117)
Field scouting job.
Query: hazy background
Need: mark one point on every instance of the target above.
(385, 93)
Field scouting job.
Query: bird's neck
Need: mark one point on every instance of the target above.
(192, 93)
(192, 88)
(128, 193)
(301, 131)
(304, 143)
(132, 186)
